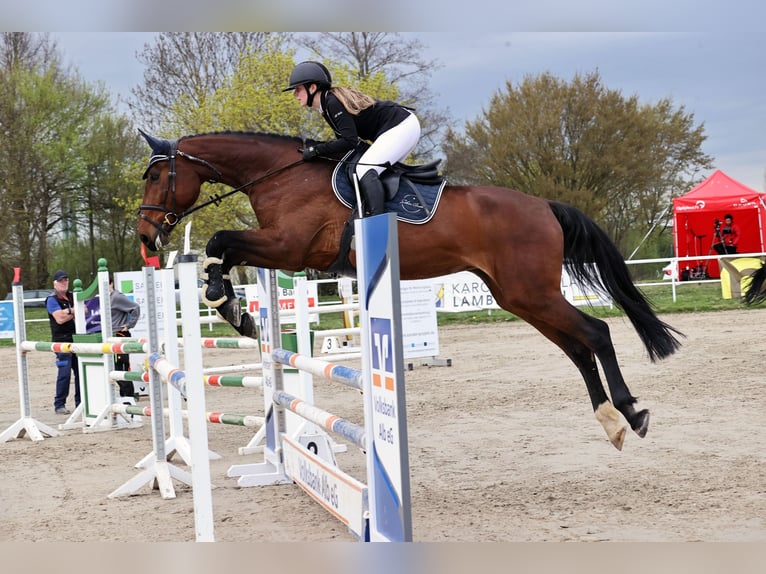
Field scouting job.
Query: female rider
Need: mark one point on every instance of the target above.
(392, 129)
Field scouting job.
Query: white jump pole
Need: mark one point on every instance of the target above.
(26, 424)
(200, 461)
(158, 471)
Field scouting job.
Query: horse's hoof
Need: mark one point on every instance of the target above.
(231, 312)
(247, 327)
(612, 421)
(640, 423)
(618, 438)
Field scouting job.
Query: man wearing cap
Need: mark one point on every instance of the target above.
(60, 307)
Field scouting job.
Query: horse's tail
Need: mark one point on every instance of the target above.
(756, 291)
(593, 260)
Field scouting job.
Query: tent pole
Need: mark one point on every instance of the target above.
(760, 222)
(649, 232)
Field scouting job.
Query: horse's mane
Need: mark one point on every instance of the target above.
(243, 134)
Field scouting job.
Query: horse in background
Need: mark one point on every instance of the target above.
(756, 291)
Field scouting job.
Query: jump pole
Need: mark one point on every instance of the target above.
(158, 471)
(36, 430)
(165, 308)
(388, 470)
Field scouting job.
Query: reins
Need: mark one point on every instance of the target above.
(171, 217)
(217, 197)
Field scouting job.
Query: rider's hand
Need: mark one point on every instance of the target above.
(309, 153)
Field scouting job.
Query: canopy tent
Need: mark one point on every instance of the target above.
(695, 212)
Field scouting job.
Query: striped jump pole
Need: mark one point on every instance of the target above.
(351, 431)
(211, 417)
(169, 372)
(229, 343)
(209, 380)
(331, 371)
(86, 348)
(233, 368)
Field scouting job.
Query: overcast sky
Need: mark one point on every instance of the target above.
(719, 76)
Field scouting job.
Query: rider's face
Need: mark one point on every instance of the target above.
(301, 94)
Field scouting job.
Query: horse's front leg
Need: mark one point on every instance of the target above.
(218, 291)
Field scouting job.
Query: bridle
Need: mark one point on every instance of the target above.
(172, 218)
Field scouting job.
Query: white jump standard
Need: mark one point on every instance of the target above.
(379, 510)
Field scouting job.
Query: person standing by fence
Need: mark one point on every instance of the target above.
(60, 306)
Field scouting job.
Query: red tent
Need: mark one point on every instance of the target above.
(695, 212)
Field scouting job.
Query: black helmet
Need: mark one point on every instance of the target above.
(309, 73)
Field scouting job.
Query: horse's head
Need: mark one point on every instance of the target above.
(168, 192)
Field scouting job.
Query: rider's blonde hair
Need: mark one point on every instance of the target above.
(353, 100)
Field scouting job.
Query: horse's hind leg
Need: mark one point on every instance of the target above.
(621, 397)
(584, 359)
(584, 339)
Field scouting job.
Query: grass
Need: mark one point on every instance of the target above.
(690, 298)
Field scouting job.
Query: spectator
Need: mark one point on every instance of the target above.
(125, 313)
(60, 306)
(726, 237)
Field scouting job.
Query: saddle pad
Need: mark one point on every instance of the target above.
(405, 203)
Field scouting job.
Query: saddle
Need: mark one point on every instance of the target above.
(412, 192)
(394, 175)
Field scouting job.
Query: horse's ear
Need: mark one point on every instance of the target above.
(159, 146)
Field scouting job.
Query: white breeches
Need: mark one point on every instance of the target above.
(391, 146)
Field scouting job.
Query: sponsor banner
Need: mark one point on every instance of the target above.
(342, 495)
(464, 291)
(420, 331)
(7, 321)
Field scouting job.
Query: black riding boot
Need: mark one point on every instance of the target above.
(373, 195)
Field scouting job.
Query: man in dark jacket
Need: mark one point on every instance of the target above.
(60, 307)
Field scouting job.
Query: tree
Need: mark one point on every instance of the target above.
(188, 66)
(400, 60)
(618, 160)
(112, 182)
(252, 99)
(52, 182)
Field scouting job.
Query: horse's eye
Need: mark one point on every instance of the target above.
(154, 176)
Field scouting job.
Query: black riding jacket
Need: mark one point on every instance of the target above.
(350, 128)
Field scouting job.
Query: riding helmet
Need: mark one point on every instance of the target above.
(309, 73)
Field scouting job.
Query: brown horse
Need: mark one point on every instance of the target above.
(514, 242)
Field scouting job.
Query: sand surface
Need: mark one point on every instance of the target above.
(503, 447)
